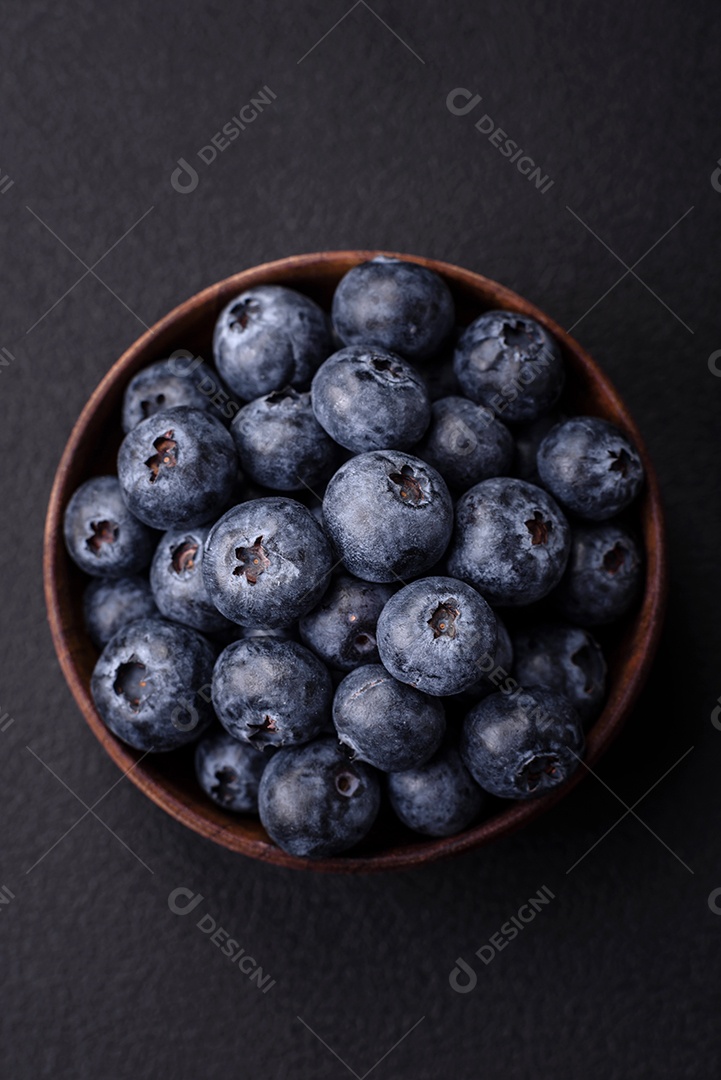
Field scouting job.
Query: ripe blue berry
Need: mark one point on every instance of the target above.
(522, 745)
(151, 685)
(511, 541)
(604, 575)
(369, 399)
(566, 659)
(439, 798)
(266, 562)
(591, 467)
(180, 380)
(313, 802)
(101, 534)
(384, 722)
(395, 305)
(466, 443)
(342, 628)
(111, 603)
(269, 337)
(435, 633)
(229, 772)
(388, 515)
(176, 578)
(177, 469)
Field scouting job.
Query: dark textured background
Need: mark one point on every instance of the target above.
(619, 104)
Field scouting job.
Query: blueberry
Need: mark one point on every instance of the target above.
(180, 380)
(370, 399)
(528, 437)
(590, 466)
(439, 798)
(395, 305)
(281, 444)
(266, 562)
(435, 634)
(385, 722)
(177, 469)
(604, 576)
(102, 535)
(511, 364)
(269, 337)
(342, 628)
(313, 802)
(111, 603)
(151, 685)
(229, 772)
(522, 745)
(466, 443)
(566, 659)
(176, 578)
(511, 541)
(271, 693)
(389, 515)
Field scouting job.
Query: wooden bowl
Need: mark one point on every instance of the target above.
(169, 780)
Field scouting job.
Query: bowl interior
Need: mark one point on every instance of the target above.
(92, 448)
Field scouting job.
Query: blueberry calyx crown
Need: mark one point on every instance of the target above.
(614, 558)
(346, 783)
(166, 453)
(539, 528)
(224, 789)
(149, 408)
(104, 532)
(242, 313)
(532, 774)
(131, 680)
(621, 459)
(443, 620)
(183, 557)
(252, 561)
(408, 486)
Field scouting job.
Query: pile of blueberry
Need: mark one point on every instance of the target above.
(377, 581)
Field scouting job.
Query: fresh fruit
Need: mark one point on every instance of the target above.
(111, 603)
(313, 802)
(388, 515)
(229, 772)
(466, 443)
(511, 541)
(151, 685)
(604, 575)
(385, 722)
(177, 469)
(440, 798)
(522, 745)
(167, 384)
(567, 659)
(176, 578)
(591, 467)
(341, 630)
(101, 534)
(435, 634)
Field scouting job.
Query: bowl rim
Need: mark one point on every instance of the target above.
(647, 627)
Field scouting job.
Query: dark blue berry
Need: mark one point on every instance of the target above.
(180, 380)
(342, 628)
(176, 578)
(313, 802)
(280, 443)
(604, 575)
(511, 541)
(269, 337)
(439, 798)
(370, 399)
(496, 670)
(229, 772)
(591, 467)
(466, 443)
(268, 692)
(511, 364)
(386, 723)
(566, 659)
(101, 534)
(522, 745)
(178, 468)
(151, 685)
(435, 634)
(389, 515)
(111, 603)
(395, 305)
(266, 562)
